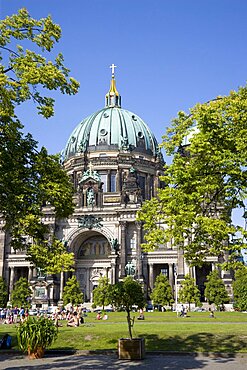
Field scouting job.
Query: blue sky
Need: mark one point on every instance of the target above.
(170, 55)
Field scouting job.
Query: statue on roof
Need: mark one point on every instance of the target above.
(90, 197)
(90, 174)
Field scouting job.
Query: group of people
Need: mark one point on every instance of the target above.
(73, 315)
(99, 317)
(13, 315)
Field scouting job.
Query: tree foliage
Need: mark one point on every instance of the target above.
(21, 294)
(101, 293)
(204, 183)
(23, 70)
(162, 292)
(29, 178)
(215, 291)
(72, 292)
(240, 289)
(189, 292)
(3, 293)
(126, 294)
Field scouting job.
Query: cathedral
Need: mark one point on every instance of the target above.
(114, 162)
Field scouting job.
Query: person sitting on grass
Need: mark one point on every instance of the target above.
(98, 317)
(74, 321)
(140, 317)
(56, 321)
(211, 314)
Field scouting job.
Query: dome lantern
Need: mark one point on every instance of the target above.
(113, 98)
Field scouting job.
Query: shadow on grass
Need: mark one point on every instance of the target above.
(201, 342)
(205, 343)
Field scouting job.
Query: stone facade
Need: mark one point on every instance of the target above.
(111, 180)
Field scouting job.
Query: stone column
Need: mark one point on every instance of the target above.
(108, 181)
(11, 280)
(123, 225)
(180, 265)
(156, 184)
(2, 246)
(151, 275)
(171, 277)
(87, 275)
(113, 273)
(30, 273)
(138, 250)
(148, 196)
(118, 179)
(61, 285)
(50, 293)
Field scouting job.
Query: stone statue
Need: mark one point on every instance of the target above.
(90, 197)
(130, 269)
(90, 222)
(114, 244)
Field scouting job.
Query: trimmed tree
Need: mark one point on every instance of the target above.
(21, 294)
(127, 294)
(3, 293)
(189, 292)
(101, 293)
(162, 292)
(240, 289)
(72, 292)
(215, 291)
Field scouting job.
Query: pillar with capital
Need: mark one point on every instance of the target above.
(151, 275)
(171, 277)
(11, 280)
(61, 285)
(180, 264)
(118, 180)
(30, 273)
(138, 251)
(123, 225)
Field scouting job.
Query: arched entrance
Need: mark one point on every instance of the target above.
(92, 260)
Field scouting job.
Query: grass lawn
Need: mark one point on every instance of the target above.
(227, 332)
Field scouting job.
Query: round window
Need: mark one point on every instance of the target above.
(103, 132)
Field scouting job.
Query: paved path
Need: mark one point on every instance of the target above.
(111, 362)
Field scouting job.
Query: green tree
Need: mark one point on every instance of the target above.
(126, 294)
(204, 183)
(23, 70)
(3, 293)
(189, 292)
(215, 291)
(101, 293)
(30, 178)
(21, 294)
(72, 292)
(240, 289)
(162, 292)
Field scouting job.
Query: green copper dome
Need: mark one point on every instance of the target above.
(111, 128)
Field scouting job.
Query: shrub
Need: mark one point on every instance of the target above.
(36, 334)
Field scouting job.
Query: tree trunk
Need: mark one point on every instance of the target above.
(129, 323)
